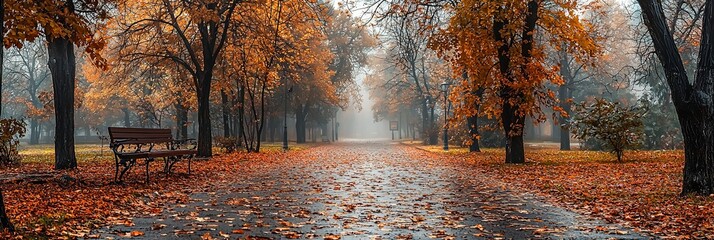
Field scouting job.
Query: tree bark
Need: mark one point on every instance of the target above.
(472, 121)
(272, 128)
(512, 121)
(34, 131)
(425, 121)
(509, 120)
(300, 114)
(204, 115)
(225, 113)
(564, 97)
(62, 67)
(433, 133)
(693, 102)
(181, 121)
(513, 125)
(127, 117)
(241, 115)
(4, 220)
(2, 53)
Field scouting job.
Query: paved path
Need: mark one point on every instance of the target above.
(367, 191)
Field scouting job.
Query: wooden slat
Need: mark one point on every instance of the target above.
(140, 135)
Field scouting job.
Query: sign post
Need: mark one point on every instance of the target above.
(393, 126)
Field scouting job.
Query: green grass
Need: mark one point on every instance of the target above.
(88, 153)
(439, 148)
(44, 153)
(278, 147)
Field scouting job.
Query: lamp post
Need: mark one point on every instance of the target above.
(285, 117)
(445, 88)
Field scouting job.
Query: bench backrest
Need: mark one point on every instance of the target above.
(139, 135)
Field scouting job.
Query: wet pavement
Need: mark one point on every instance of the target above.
(366, 191)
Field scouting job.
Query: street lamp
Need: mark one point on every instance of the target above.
(285, 117)
(445, 88)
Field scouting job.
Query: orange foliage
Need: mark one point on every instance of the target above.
(27, 20)
(469, 44)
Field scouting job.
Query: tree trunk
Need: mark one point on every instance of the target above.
(127, 119)
(513, 127)
(513, 123)
(300, 114)
(698, 153)
(204, 115)
(263, 136)
(34, 131)
(313, 135)
(4, 220)
(564, 96)
(181, 121)
(62, 67)
(272, 127)
(2, 53)
(425, 120)
(693, 102)
(472, 121)
(241, 115)
(399, 125)
(433, 134)
(225, 113)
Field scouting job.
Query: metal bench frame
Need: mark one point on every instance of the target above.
(132, 144)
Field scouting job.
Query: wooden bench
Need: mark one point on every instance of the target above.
(132, 144)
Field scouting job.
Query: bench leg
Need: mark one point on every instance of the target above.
(170, 161)
(127, 166)
(166, 165)
(147, 169)
(116, 170)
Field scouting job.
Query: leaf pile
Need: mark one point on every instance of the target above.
(71, 203)
(642, 192)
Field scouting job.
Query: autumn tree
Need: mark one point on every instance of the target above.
(190, 33)
(63, 24)
(29, 71)
(684, 20)
(408, 35)
(348, 42)
(692, 100)
(504, 34)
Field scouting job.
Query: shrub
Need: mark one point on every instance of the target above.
(616, 126)
(227, 144)
(11, 130)
(490, 134)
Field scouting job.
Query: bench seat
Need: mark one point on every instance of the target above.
(157, 154)
(132, 144)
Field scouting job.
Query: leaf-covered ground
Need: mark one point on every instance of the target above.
(642, 192)
(357, 191)
(360, 191)
(71, 203)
